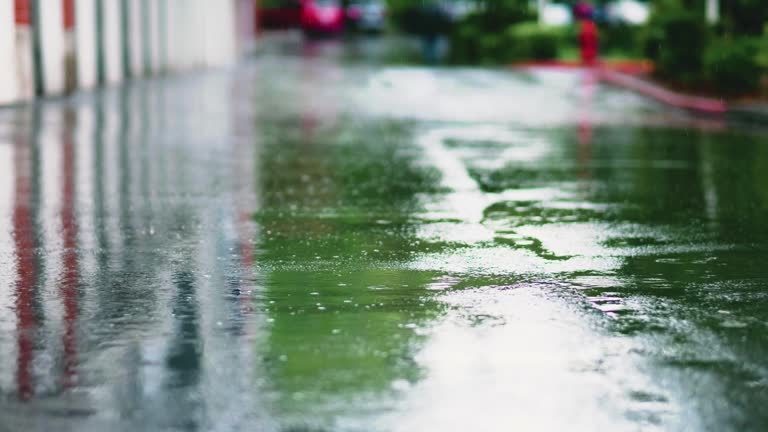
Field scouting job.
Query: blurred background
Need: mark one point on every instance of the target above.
(708, 46)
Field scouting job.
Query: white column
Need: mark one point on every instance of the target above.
(153, 33)
(85, 43)
(713, 11)
(113, 41)
(245, 25)
(136, 36)
(219, 45)
(8, 81)
(179, 17)
(541, 5)
(25, 72)
(70, 59)
(170, 25)
(50, 14)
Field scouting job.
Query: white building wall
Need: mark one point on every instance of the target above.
(164, 35)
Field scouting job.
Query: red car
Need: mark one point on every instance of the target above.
(278, 14)
(322, 16)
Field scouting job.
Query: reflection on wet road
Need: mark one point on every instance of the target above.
(315, 242)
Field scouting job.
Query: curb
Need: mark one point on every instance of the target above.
(627, 74)
(661, 94)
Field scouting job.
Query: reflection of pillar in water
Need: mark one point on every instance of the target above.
(587, 90)
(99, 206)
(70, 278)
(708, 185)
(28, 266)
(185, 352)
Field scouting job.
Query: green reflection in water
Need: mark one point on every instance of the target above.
(685, 210)
(675, 217)
(338, 224)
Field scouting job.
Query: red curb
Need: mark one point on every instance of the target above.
(631, 67)
(625, 74)
(679, 100)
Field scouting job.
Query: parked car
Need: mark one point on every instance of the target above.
(631, 12)
(322, 16)
(367, 15)
(278, 14)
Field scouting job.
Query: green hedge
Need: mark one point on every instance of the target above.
(531, 41)
(732, 66)
(518, 42)
(676, 41)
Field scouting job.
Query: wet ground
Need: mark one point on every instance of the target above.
(324, 240)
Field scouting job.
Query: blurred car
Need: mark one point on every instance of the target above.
(631, 12)
(556, 14)
(322, 16)
(367, 15)
(278, 14)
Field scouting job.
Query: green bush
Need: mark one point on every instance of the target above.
(465, 44)
(530, 41)
(495, 17)
(620, 38)
(480, 36)
(676, 41)
(732, 66)
(519, 42)
(762, 51)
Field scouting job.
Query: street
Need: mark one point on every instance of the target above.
(328, 238)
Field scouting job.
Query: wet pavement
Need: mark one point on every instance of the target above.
(327, 240)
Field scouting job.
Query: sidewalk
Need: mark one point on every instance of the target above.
(632, 76)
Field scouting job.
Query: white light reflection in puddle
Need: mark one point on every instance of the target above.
(526, 357)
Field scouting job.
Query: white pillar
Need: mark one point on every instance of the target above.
(541, 6)
(51, 25)
(8, 81)
(245, 25)
(219, 45)
(24, 71)
(135, 35)
(713, 11)
(70, 56)
(85, 43)
(170, 25)
(169, 53)
(113, 41)
(153, 34)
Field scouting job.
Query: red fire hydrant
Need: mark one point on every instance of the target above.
(588, 36)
